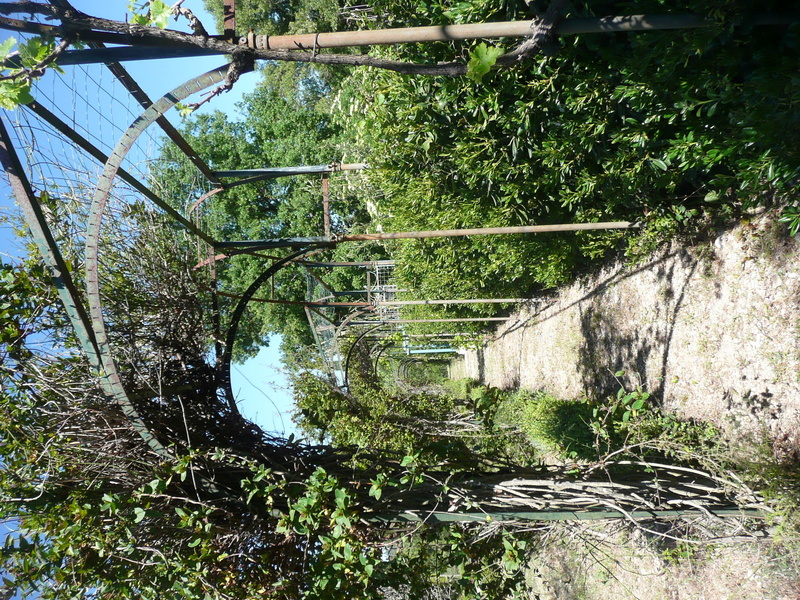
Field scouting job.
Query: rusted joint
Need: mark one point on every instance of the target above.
(335, 166)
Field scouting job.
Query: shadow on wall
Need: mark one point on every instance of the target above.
(615, 341)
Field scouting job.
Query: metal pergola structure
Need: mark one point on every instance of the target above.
(377, 309)
(84, 307)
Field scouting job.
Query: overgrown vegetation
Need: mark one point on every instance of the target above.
(411, 491)
(678, 130)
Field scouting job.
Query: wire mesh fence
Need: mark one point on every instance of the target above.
(323, 323)
(152, 301)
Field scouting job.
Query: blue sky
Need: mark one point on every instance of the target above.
(261, 388)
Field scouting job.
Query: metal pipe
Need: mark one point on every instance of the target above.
(471, 319)
(369, 263)
(311, 41)
(229, 18)
(275, 172)
(367, 237)
(48, 248)
(326, 206)
(403, 235)
(464, 301)
(443, 33)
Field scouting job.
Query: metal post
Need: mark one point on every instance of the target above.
(366, 263)
(275, 172)
(229, 19)
(362, 237)
(464, 301)
(404, 235)
(47, 247)
(326, 207)
(471, 319)
(445, 33)
(345, 39)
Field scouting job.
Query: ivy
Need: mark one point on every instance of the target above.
(482, 59)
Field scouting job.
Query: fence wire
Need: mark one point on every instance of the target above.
(322, 321)
(90, 103)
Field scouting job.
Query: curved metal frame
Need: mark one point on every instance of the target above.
(350, 351)
(93, 228)
(225, 367)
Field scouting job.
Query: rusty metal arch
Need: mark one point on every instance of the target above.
(110, 372)
(224, 372)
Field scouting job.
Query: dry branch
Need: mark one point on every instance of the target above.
(89, 28)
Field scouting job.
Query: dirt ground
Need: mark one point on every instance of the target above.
(711, 330)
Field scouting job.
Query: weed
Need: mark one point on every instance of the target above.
(626, 423)
(791, 216)
(679, 552)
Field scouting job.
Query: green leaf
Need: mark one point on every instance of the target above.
(6, 47)
(140, 514)
(343, 521)
(14, 93)
(658, 163)
(375, 491)
(159, 14)
(481, 61)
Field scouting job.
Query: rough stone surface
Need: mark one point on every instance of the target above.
(711, 330)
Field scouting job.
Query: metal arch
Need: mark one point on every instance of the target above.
(350, 351)
(225, 366)
(205, 197)
(93, 227)
(381, 350)
(346, 321)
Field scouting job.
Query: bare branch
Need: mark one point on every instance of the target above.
(88, 27)
(179, 11)
(242, 63)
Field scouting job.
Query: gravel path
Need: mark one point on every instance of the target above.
(712, 330)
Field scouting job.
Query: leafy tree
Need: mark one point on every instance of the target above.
(659, 127)
(286, 123)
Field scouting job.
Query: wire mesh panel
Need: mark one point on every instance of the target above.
(153, 303)
(322, 321)
(381, 289)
